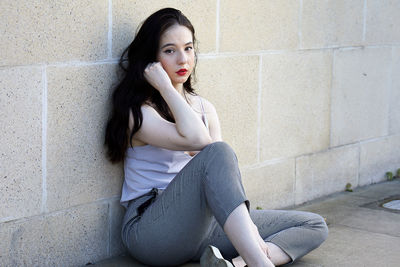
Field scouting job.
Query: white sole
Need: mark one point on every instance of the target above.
(212, 258)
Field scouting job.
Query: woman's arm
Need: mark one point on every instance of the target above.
(213, 121)
(187, 133)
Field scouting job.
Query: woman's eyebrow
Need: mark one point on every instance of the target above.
(171, 44)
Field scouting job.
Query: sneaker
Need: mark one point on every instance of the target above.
(212, 258)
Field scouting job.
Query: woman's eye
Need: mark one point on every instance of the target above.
(189, 48)
(169, 51)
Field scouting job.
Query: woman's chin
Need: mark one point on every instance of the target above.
(180, 80)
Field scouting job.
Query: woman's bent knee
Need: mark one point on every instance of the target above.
(218, 146)
(220, 156)
(220, 149)
(318, 224)
(324, 230)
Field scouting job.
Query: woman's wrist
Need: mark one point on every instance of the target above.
(165, 88)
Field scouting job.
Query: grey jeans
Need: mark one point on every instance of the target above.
(174, 226)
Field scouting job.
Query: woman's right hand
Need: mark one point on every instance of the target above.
(157, 76)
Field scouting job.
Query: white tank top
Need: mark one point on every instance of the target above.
(147, 167)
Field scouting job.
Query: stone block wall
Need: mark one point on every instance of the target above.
(307, 92)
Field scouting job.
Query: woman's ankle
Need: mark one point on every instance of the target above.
(278, 256)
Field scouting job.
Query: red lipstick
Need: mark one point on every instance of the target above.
(182, 72)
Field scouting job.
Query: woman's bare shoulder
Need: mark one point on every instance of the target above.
(147, 106)
(147, 111)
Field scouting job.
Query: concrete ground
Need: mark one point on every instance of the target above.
(361, 232)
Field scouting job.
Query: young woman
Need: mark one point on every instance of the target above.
(182, 191)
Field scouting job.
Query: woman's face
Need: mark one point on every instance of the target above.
(176, 54)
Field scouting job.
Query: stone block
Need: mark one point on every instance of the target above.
(48, 31)
(128, 14)
(382, 22)
(327, 172)
(270, 186)
(360, 92)
(73, 237)
(394, 113)
(117, 213)
(77, 169)
(295, 104)
(331, 23)
(378, 157)
(21, 91)
(231, 84)
(258, 25)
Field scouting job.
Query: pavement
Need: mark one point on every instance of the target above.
(361, 231)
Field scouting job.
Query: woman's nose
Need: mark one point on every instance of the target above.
(182, 57)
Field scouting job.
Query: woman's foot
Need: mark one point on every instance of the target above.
(212, 258)
(239, 262)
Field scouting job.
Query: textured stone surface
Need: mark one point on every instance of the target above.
(354, 229)
(360, 92)
(380, 191)
(351, 213)
(117, 213)
(356, 219)
(350, 247)
(270, 186)
(382, 22)
(394, 115)
(302, 124)
(69, 238)
(326, 172)
(77, 169)
(295, 104)
(231, 84)
(21, 142)
(378, 157)
(43, 31)
(127, 15)
(331, 23)
(258, 25)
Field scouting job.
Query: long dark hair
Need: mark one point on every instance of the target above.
(133, 90)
